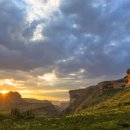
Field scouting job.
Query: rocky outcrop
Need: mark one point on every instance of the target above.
(13, 100)
(128, 76)
(111, 85)
(78, 96)
(83, 98)
(10, 98)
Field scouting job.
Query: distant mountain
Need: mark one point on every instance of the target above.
(14, 100)
(11, 100)
(31, 100)
(59, 105)
(105, 96)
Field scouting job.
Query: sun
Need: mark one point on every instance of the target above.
(4, 91)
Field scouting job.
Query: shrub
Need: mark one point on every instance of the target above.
(2, 117)
(28, 115)
(15, 113)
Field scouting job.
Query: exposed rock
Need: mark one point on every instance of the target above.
(83, 98)
(128, 77)
(78, 96)
(128, 71)
(109, 85)
(11, 98)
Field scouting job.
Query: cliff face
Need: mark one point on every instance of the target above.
(77, 97)
(84, 98)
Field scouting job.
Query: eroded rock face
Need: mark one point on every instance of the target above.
(10, 100)
(78, 96)
(14, 96)
(128, 76)
(111, 85)
(82, 98)
(11, 97)
(128, 71)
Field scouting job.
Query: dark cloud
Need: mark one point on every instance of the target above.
(102, 31)
(88, 34)
(17, 50)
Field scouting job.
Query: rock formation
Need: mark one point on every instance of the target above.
(128, 76)
(83, 98)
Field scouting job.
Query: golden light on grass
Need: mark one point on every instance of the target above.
(4, 92)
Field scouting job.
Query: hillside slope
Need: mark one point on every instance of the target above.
(14, 100)
(105, 96)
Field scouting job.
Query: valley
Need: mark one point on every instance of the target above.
(105, 106)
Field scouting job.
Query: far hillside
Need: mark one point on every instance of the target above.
(13, 100)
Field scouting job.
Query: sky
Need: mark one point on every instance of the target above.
(48, 47)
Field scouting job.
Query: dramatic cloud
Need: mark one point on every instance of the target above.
(63, 44)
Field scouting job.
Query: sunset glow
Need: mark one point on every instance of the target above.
(4, 91)
(10, 82)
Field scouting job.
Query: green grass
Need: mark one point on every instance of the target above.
(118, 121)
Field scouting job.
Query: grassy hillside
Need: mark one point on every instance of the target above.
(114, 102)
